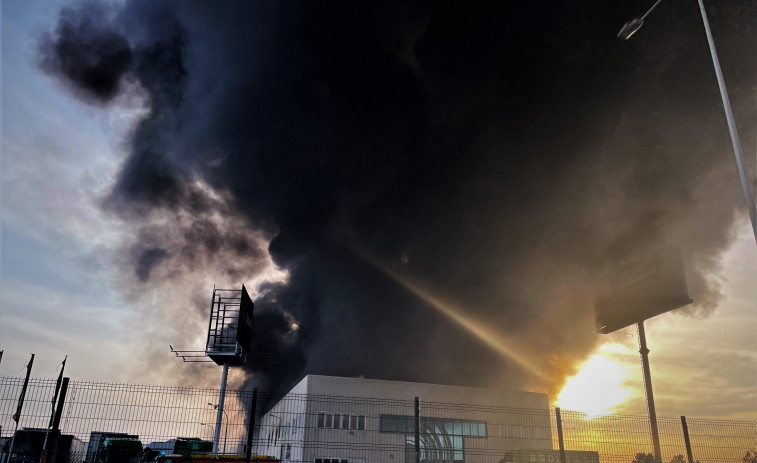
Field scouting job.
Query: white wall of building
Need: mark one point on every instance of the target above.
(514, 419)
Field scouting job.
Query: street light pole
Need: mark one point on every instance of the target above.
(745, 185)
(630, 28)
(212, 430)
(226, 428)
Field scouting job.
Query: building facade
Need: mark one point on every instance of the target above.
(326, 419)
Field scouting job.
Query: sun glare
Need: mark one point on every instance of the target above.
(597, 389)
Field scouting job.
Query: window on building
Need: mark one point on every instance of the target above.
(439, 449)
(396, 424)
(340, 421)
(325, 420)
(331, 460)
(436, 426)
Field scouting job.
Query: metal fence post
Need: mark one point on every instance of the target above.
(251, 424)
(417, 431)
(560, 439)
(686, 439)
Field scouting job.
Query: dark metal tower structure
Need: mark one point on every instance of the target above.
(230, 326)
(229, 338)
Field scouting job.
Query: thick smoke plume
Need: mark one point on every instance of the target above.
(501, 157)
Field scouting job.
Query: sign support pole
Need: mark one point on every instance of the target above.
(644, 351)
(219, 415)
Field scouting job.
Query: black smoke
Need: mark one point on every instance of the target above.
(87, 54)
(503, 155)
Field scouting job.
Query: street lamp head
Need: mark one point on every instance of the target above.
(630, 28)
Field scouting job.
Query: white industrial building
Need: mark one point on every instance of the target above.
(326, 419)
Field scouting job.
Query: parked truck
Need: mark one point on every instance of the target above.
(70, 449)
(28, 446)
(186, 446)
(169, 451)
(113, 447)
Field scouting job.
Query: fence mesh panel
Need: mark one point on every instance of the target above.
(336, 429)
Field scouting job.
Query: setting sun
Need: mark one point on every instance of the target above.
(597, 389)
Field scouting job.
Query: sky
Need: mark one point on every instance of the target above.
(412, 191)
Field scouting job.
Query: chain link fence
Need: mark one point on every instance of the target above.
(331, 429)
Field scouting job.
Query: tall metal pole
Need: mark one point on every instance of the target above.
(61, 403)
(58, 383)
(648, 390)
(632, 26)
(219, 415)
(745, 185)
(51, 447)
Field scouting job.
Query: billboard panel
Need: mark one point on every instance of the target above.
(244, 330)
(230, 326)
(651, 286)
